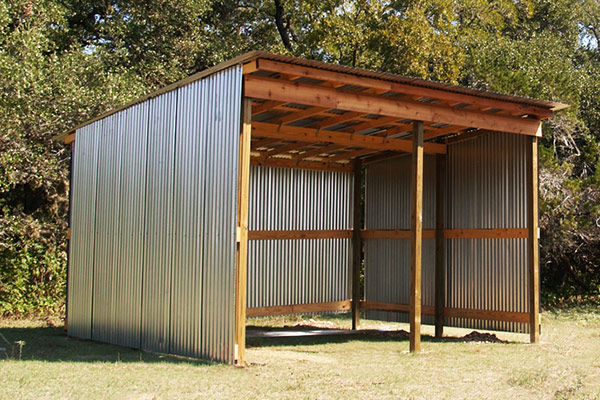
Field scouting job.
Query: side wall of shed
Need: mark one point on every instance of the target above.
(299, 271)
(486, 189)
(153, 222)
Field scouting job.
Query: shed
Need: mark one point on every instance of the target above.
(236, 193)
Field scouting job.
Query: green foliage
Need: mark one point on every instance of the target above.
(64, 61)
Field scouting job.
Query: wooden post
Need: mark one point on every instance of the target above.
(416, 216)
(534, 262)
(356, 246)
(242, 232)
(440, 245)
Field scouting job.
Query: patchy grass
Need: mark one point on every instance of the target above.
(371, 365)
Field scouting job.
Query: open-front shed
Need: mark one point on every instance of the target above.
(236, 193)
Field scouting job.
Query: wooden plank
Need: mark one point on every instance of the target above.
(262, 129)
(356, 244)
(69, 139)
(321, 96)
(300, 234)
(388, 86)
(296, 116)
(241, 275)
(300, 164)
(266, 106)
(394, 233)
(416, 239)
(440, 244)
(264, 143)
(339, 119)
(320, 150)
(488, 315)
(498, 233)
(298, 308)
(534, 261)
(286, 148)
(350, 155)
(250, 67)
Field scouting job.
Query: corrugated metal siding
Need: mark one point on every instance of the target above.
(286, 272)
(387, 261)
(158, 251)
(83, 216)
(165, 208)
(487, 189)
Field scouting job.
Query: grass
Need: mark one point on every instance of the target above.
(374, 365)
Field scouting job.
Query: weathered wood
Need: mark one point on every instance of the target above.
(488, 315)
(261, 129)
(440, 244)
(534, 262)
(266, 106)
(321, 96)
(301, 164)
(416, 239)
(69, 139)
(242, 218)
(455, 98)
(356, 245)
(394, 233)
(298, 308)
(300, 234)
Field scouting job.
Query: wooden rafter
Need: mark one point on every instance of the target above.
(320, 96)
(387, 86)
(266, 106)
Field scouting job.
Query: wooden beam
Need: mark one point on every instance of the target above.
(488, 315)
(416, 238)
(440, 244)
(320, 150)
(262, 129)
(296, 116)
(320, 96)
(534, 262)
(263, 143)
(266, 106)
(387, 86)
(286, 148)
(394, 233)
(339, 119)
(498, 233)
(298, 308)
(250, 67)
(349, 155)
(300, 234)
(300, 164)
(241, 275)
(356, 244)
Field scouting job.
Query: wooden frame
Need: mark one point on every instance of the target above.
(534, 261)
(299, 308)
(496, 233)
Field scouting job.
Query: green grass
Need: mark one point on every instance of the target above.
(373, 365)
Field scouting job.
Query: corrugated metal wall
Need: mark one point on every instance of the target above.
(160, 221)
(287, 272)
(486, 188)
(387, 261)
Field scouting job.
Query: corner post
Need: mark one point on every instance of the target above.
(416, 236)
(241, 272)
(534, 262)
(356, 245)
(440, 245)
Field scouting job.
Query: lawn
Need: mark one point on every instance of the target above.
(373, 365)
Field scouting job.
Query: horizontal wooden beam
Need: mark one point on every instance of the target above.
(387, 86)
(300, 164)
(321, 96)
(344, 139)
(498, 233)
(298, 308)
(450, 312)
(300, 234)
(69, 138)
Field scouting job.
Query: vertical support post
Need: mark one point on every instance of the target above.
(534, 262)
(440, 244)
(356, 245)
(241, 270)
(416, 236)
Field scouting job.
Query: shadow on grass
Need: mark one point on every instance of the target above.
(366, 335)
(53, 345)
